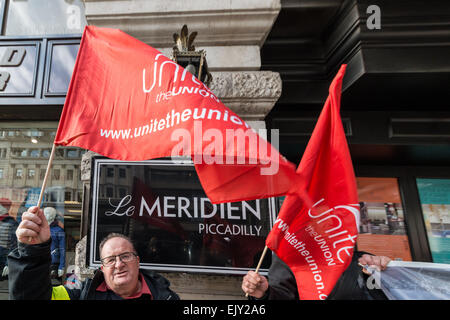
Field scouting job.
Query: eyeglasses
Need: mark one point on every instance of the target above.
(124, 257)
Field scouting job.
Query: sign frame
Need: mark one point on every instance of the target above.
(92, 247)
(23, 44)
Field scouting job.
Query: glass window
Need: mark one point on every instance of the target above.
(19, 173)
(46, 153)
(19, 188)
(109, 192)
(44, 17)
(69, 174)
(122, 192)
(435, 199)
(382, 225)
(56, 174)
(72, 153)
(18, 68)
(42, 174)
(62, 63)
(34, 153)
(110, 172)
(59, 153)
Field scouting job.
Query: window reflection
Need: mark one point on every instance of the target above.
(44, 17)
(382, 221)
(22, 74)
(62, 64)
(23, 163)
(435, 199)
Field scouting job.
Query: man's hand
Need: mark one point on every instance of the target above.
(33, 229)
(254, 284)
(377, 262)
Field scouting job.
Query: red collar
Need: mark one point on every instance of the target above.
(103, 287)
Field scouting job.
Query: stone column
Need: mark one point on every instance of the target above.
(231, 33)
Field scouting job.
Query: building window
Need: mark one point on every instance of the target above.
(69, 174)
(79, 195)
(56, 174)
(72, 153)
(53, 196)
(42, 174)
(21, 177)
(34, 153)
(31, 173)
(19, 173)
(122, 192)
(110, 172)
(382, 221)
(61, 68)
(59, 153)
(435, 200)
(19, 152)
(46, 153)
(109, 192)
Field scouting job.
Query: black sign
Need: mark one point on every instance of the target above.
(161, 206)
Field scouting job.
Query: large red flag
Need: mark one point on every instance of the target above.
(127, 101)
(317, 241)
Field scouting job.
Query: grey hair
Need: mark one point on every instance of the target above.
(115, 235)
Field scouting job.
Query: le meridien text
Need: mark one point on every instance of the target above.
(196, 207)
(177, 207)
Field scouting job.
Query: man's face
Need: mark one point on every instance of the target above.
(120, 276)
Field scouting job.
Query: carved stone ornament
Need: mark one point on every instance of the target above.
(251, 94)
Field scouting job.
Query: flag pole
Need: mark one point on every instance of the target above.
(44, 182)
(259, 263)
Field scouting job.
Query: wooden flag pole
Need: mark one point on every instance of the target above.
(44, 183)
(259, 263)
(47, 172)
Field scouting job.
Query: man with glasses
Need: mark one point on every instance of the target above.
(118, 278)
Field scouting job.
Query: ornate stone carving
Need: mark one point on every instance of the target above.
(251, 94)
(86, 165)
(247, 84)
(80, 261)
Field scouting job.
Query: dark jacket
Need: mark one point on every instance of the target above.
(8, 239)
(350, 286)
(29, 279)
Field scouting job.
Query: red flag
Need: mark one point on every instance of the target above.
(127, 101)
(317, 242)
